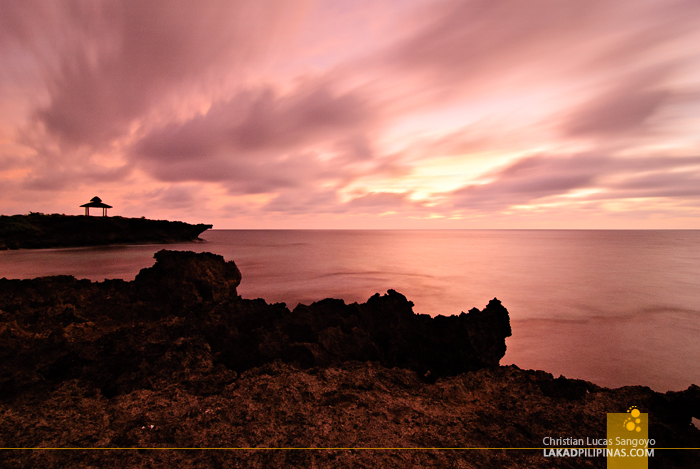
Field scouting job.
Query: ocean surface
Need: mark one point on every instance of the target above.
(613, 307)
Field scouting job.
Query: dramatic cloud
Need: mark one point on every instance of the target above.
(625, 108)
(260, 141)
(418, 113)
(481, 43)
(258, 122)
(115, 60)
(532, 179)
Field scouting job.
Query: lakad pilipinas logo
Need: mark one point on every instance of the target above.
(627, 445)
(628, 440)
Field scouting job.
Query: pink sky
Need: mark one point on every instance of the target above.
(355, 113)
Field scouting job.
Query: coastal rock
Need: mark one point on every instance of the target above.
(106, 332)
(384, 329)
(38, 231)
(177, 359)
(352, 405)
(186, 278)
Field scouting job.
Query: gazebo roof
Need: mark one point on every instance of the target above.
(96, 202)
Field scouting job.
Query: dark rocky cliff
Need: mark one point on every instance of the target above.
(37, 230)
(177, 359)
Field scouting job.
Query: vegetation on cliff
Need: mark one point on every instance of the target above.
(38, 230)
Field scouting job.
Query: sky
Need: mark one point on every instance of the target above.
(369, 114)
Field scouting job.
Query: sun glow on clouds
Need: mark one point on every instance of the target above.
(355, 114)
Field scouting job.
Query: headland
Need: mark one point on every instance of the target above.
(37, 231)
(177, 359)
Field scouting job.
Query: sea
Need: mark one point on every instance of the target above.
(616, 308)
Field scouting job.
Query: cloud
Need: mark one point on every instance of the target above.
(625, 108)
(257, 121)
(171, 196)
(295, 202)
(560, 70)
(670, 177)
(530, 179)
(482, 40)
(669, 184)
(335, 107)
(380, 202)
(261, 140)
(8, 162)
(61, 177)
(474, 38)
(538, 178)
(115, 61)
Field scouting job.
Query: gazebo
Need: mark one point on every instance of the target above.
(96, 202)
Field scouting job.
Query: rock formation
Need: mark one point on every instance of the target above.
(37, 230)
(176, 359)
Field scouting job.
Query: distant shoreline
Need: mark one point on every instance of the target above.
(40, 231)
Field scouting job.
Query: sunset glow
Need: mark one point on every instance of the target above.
(355, 114)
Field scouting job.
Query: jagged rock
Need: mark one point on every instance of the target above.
(104, 332)
(177, 359)
(185, 278)
(386, 329)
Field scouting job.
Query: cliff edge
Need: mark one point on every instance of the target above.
(36, 231)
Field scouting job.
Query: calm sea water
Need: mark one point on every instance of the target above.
(613, 307)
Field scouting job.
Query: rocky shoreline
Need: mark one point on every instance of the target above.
(38, 231)
(177, 359)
